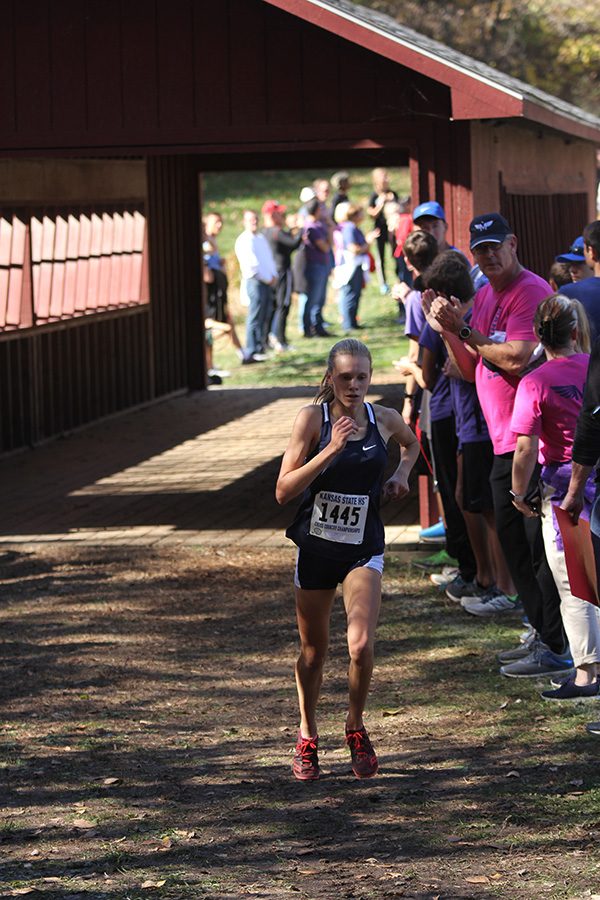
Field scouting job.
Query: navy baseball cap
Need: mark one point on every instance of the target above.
(430, 208)
(491, 228)
(575, 252)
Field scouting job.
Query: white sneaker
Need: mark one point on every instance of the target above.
(441, 579)
(493, 603)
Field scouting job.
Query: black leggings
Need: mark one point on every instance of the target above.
(523, 546)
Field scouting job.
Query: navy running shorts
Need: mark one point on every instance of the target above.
(318, 573)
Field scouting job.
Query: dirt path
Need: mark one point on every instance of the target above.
(149, 714)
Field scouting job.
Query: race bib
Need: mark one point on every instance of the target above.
(339, 517)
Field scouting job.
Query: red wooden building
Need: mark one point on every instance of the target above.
(110, 111)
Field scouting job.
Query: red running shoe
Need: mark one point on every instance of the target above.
(306, 760)
(364, 758)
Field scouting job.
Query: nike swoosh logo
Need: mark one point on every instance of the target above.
(370, 447)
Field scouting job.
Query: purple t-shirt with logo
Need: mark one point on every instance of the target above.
(316, 231)
(440, 404)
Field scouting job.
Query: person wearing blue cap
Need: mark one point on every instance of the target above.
(430, 217)
(587, 290)
(575, 259)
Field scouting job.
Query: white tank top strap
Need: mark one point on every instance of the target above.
(325, 413)
(371, 414)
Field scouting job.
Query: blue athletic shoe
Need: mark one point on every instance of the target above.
(434, 534)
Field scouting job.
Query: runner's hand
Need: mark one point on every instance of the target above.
(396, 487)
(342, 431)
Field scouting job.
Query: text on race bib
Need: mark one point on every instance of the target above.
(339, 517)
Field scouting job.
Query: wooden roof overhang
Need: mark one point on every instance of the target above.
(477, 90)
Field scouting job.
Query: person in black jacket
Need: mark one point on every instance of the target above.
(586, 455)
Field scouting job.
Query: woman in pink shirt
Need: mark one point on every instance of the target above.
(547, 405)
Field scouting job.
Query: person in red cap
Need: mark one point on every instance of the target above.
(283, 242)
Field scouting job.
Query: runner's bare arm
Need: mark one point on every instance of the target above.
(392, 425)
(296, 473)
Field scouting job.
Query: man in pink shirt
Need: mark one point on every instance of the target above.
(494, 351)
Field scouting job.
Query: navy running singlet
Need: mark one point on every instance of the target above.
(338, 515)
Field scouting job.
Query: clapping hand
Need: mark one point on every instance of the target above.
(442, 314)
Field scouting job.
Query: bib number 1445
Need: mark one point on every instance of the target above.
(339, 517)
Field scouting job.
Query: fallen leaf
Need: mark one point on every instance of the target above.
(477, 879)
(503, 705)
(308, 871)
(513, 774)
(112, 781)
(83, 823)
(17, 892)
(154, 884)
(392, 712)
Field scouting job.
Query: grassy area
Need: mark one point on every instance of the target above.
(230, 194)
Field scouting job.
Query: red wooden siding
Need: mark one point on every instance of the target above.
(545, 225)
(55, 266)
(15, 294)
(106, 74)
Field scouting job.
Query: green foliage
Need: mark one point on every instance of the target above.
(551, 44)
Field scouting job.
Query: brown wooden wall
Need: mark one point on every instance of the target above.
(545, 225)
(177, 324)
(60, 377)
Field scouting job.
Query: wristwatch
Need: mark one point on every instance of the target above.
(517, 497)
(465, 332)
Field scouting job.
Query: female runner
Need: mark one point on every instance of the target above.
(336, 459)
